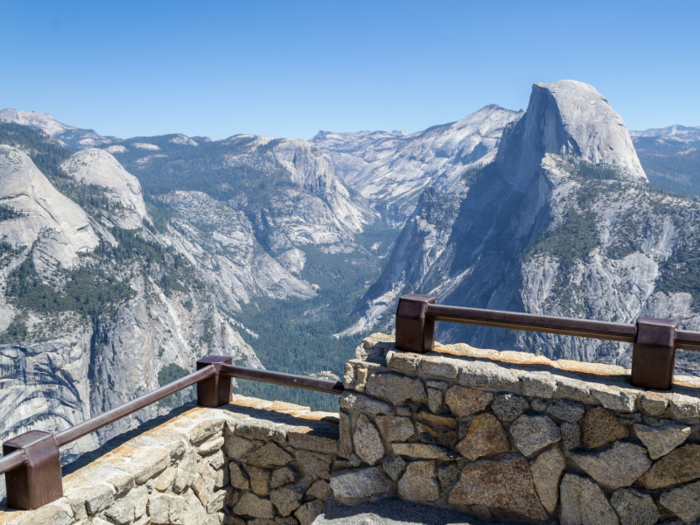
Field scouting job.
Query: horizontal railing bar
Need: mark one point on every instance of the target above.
(687, 340)
(71, 434)
(534, 323)
(11, 461)
(279, 378)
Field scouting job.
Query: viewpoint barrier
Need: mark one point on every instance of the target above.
(31, 461)
(655, 340)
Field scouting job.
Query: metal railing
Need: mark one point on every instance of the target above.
(32, 461)
(655, 340)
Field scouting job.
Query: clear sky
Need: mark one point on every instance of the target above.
(290, 68)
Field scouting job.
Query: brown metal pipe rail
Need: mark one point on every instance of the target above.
(91, 425)
(32, 462)
(279, 378)
(16, 459)
(533, 323)
(655, 340)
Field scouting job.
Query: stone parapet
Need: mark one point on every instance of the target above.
(497, 435)
(252, 461)
(515, 436)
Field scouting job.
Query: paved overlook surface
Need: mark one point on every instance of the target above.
(391, 511)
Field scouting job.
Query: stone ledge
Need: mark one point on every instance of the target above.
(514, 436)
(525, 374)
(184, 470)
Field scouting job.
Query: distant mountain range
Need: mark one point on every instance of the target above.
(671, 158)
(71, 137)
(122, 261)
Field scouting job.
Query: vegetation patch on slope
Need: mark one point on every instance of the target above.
(296, 336)
(88, 290)
(573, 239)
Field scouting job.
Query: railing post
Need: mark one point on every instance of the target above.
(414, 331)
(654, 353)
(38, 481)
(214, 391)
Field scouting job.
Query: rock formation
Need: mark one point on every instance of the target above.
(70, 136)
(562, 222)
(392, 169)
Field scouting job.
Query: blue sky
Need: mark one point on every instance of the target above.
(288, 69)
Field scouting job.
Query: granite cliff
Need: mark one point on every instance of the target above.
(121, 265)
(107, 296)
(392, 169)
(562, 222)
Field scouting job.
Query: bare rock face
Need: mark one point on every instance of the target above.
(485, 436)
(395, 428)
(419, 483)
(368, 443)
(96, 166)
(601, 427)
(254, 507)
(396, 388)
(465, 401)
(353, 485)
(313, 169)
(533, 433)
(683, 501)
(566, 410)
(508, 407)
(388, 167)
(504, 484)
(394, 466)
(59, 225)
(589, 127)
(680, 466)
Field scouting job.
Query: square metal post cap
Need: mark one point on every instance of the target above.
(38, 481)
(654, 353)
(414, 331)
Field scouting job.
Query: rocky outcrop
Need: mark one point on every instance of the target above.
(98, 167)
(568, 118)
(230, 258)
(561, 223)
(43, 215)
(70, 136)
(97, 309)
(391, 169)
(313, 170)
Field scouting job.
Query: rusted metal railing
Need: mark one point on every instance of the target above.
(655, 340)
(31, 461)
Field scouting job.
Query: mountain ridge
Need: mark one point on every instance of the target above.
(69, 136)
(231, 246)
(542, 229)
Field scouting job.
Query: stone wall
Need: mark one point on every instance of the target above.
(497, 435)
(252, 461)
(511, 435)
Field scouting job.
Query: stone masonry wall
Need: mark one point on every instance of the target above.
(514, 436)
(497, 435)
(252, 461)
